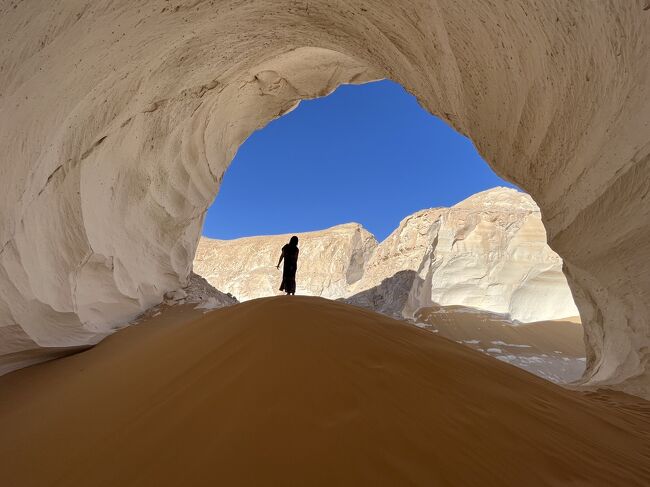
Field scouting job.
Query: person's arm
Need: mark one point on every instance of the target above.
(280, 261)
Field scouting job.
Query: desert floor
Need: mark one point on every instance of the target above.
(306, 391)
(553, 350)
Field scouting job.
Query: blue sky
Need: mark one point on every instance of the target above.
(368, 154)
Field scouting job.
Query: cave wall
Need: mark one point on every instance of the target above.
(118, 119)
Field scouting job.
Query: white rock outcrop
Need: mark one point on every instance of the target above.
(118, 120)
(330, 261)
(487, 252)
(200, 291)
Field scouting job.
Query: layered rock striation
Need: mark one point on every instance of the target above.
(487, 252)
(118, 120)
(330, 262)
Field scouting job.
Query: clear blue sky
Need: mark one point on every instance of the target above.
(368, 154)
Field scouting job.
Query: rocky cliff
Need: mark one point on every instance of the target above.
(330, 262)
(488, 252)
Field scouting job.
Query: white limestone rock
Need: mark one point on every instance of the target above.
(487, 252)
(330, 261)
(199, 291)
(18, 350)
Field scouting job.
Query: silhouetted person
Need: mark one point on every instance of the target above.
(290, 256)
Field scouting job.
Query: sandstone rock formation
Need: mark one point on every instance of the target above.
(331, 260)
(487, 252)
(118, 119)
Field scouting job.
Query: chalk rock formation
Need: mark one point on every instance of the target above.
(201, 292)
(331, 260)
(18, 350)
(487, 252)
(118, 119)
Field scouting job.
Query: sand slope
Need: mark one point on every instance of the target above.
(554, 350)
(305, 391)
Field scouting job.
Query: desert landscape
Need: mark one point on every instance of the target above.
(480, 273)
(487, 252)
(503, 340)
(553, 350)
(306, 391)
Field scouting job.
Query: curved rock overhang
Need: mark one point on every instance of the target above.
(119, 118)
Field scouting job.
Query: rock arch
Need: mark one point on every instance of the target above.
(118, 119)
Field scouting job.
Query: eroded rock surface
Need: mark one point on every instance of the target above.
(330, 261)
(118, 120)
(200, 291)
(487, 252)
(17, 350)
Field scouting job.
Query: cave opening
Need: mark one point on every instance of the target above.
(365, 153)
(397, 212)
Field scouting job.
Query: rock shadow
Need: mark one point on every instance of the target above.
(391, 297)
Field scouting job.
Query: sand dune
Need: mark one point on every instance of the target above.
(554, 350)
(305, 391)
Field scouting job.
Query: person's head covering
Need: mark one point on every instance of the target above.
(294, 241)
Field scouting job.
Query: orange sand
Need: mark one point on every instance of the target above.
(553, 350)
(457, 323)
(304, 391)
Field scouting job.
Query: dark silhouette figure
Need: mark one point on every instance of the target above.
(290, 256)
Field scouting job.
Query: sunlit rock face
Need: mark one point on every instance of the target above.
(330, 261)
(487, 252)
(118, 119)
